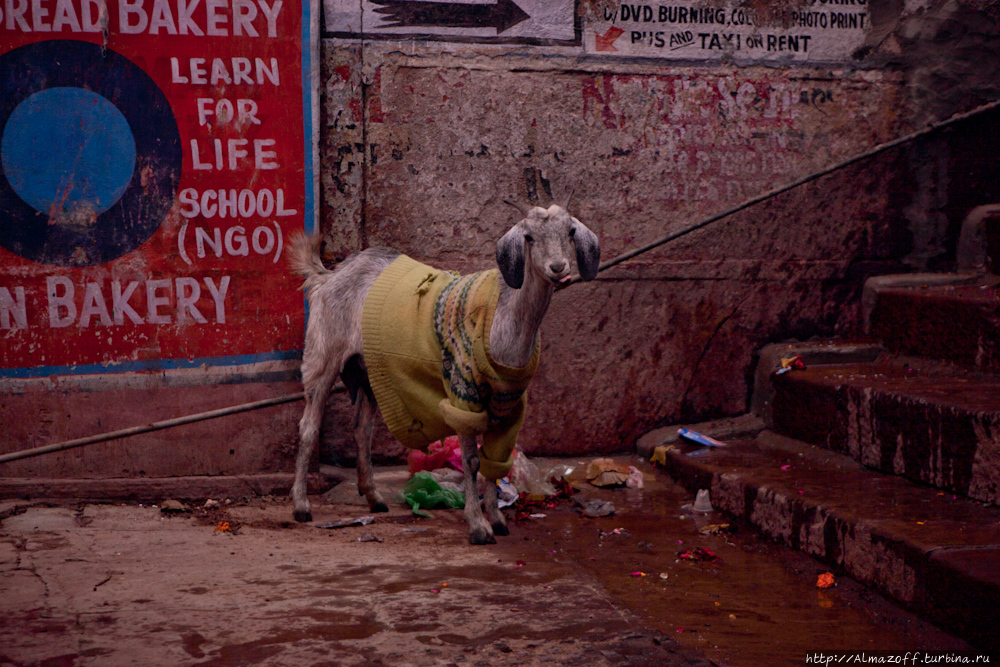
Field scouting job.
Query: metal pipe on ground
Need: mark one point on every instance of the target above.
(155, 426)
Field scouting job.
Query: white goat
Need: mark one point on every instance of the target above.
(534, 257)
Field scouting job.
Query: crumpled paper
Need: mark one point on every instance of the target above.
(607, 472)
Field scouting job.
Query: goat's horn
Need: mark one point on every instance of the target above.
(569, 198)
(523, 208)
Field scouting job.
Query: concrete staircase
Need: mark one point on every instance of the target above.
(880, 457)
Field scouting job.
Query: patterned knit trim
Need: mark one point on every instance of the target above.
(454, 325)
(463, 316)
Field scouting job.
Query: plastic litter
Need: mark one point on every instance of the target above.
(595, 508)
(703, 502)
(368, 537)
(715, 529)
(607, 472)
(527, 478)
(527, 504)
(699, 438)
(449, 478)
(447, 452)
(791, 364)
(173, 507)
(559, 471)
(660, 454)
(825, 580)
(635, 480)
(423, 491)
(698, 554)
(506, 493)
(344, 523)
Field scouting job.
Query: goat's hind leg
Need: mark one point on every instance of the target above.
(479, 529)
(316, 393)
(492, 507)
(364, 427)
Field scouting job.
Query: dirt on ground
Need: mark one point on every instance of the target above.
(243, 584)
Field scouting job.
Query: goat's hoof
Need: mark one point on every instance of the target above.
(303, 516)
(483, 537)
(500, 529)
(380, 507)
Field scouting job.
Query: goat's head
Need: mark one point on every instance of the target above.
(544, 241)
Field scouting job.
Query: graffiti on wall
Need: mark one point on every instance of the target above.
(814, 30)
(707, 141)
(155, 158)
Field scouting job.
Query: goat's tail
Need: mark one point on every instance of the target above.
(304, 258)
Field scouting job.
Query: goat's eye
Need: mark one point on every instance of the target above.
(529, 238)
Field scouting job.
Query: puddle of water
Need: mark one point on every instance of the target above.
(328, 627)
(757, 604)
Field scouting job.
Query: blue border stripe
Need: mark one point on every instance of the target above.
(307, 121)
(307, 115)
(150, 365)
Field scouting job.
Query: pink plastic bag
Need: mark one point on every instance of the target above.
(439, 454)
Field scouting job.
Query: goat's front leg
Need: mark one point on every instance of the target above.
(479, 529)
(365, 417)
(493, 513)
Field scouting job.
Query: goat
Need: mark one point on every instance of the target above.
(534, 258)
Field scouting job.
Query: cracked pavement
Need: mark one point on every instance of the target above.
(123, 584)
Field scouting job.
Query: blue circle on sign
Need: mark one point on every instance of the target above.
(103, 122)
(68, 150)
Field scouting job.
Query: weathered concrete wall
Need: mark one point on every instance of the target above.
(425, 129)
(948, 51)
(422, 140)
(44, 411)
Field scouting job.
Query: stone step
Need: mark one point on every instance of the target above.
(935, 552)
(955, 322)
(930, 422)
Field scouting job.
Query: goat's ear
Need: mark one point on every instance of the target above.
(588, 250)
(510, 256)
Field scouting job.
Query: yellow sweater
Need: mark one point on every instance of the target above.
(425, 335)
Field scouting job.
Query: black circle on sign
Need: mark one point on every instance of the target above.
(149, 196)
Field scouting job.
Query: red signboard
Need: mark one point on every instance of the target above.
(156, 156)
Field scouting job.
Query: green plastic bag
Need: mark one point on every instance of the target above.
(423, 491)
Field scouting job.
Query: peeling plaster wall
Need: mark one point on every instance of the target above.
(422, 139)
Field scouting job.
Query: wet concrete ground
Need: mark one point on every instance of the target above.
(758, 603)
(125, 585)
